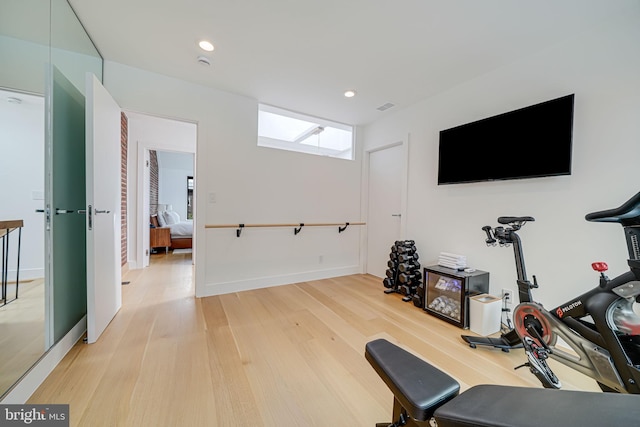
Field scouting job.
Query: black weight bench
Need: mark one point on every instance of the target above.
(418, 388)
(422, 392)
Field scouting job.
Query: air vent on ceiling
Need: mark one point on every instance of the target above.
(203, 60)
(385, 106)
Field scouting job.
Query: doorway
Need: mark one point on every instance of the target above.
(386, 203)
(170, 200)
(171, 138)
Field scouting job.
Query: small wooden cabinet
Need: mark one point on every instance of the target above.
(160, 237)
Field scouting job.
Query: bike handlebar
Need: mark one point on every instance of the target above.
(489, 240)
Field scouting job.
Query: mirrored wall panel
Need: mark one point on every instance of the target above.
(33, 35)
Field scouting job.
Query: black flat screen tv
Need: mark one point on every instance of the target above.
(531, 142)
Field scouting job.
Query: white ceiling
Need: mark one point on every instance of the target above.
(303, 54)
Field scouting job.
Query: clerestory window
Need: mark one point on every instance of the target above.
(286, 130)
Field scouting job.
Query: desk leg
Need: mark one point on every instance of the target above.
(5, 266)
(18, 263)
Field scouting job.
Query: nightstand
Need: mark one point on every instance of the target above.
(159, 237)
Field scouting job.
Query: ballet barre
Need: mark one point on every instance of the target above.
(297, 227)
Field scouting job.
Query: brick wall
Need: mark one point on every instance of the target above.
(153, 182)
(124, 143)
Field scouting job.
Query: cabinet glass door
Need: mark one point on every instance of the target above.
(444, 295)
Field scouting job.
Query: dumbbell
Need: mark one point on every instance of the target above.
(417, 300)
(406, 249)
(392, 264)
(413, 276)
(409, 277)
(388, 282)
(390, 273)
(406, 267)
(408, 257)
(408, 289)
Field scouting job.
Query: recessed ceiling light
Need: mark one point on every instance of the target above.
(350, 93)
(205, 45)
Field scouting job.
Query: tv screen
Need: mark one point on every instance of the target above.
(531, 142)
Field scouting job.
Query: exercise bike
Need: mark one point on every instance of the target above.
(607, 346)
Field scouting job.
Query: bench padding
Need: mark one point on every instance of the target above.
(419, 387)
(503, 406)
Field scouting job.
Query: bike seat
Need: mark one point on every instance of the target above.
(627, 214)
(515, 219)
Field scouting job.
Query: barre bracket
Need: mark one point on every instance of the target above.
(297, 230)
(341, 229)
(239, 230)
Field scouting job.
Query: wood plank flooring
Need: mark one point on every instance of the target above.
(284, 356)
(21, 331)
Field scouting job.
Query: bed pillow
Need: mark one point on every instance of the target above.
(170, 217)
(161, 221)
(175, 216)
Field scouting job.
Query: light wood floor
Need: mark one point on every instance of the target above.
(284, 356)
(21, 332)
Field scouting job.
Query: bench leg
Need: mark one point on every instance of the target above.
(400, 418)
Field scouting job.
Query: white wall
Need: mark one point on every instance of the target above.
(173, 170)
(251, 185)
(601, 67)
(22, 175)
(23, 64)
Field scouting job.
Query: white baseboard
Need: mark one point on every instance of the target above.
(30, 382)
(266, 282)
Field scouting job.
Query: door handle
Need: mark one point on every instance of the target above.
(47, 213)
(98, 211)
(396, 214)
(81, 211)
(63, 211)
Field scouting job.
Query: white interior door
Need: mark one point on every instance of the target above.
(386, 169)
(104, 293)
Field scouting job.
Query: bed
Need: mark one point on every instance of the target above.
(181, 231)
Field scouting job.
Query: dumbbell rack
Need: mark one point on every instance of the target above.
(404, 275)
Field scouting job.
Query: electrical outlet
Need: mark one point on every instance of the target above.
(507, 296)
